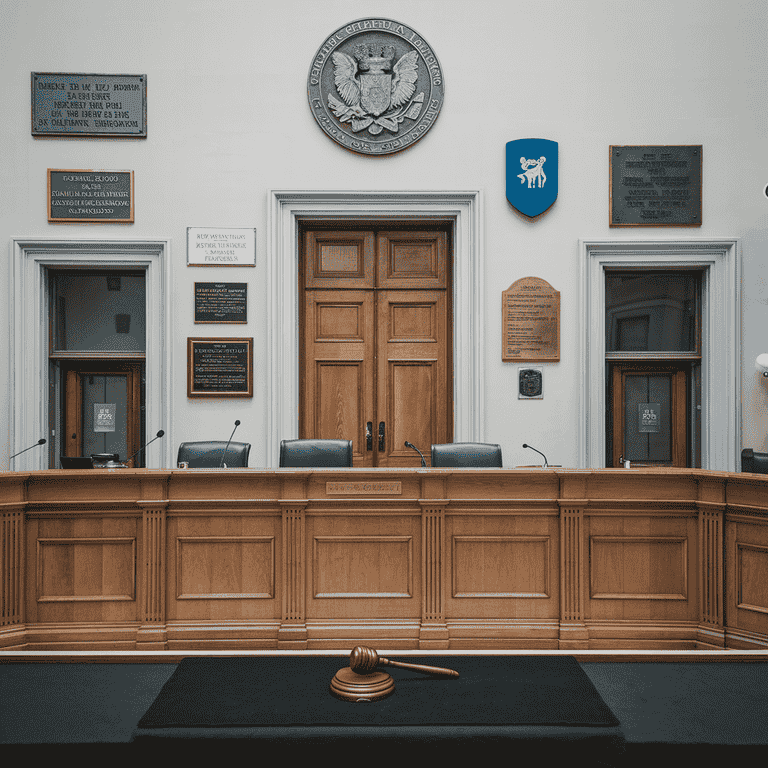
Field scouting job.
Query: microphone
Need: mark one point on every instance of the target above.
(159, 434)
(224, 453)
(411, 445)
(525, 445)
(41, 441)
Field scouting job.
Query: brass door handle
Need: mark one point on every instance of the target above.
(381, 435)
(369, 435)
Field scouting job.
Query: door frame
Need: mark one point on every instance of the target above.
(287, 208)
(29, 343)
(720, 261)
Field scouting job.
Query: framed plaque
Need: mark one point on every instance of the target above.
(530, 322)
(219, 367)
(655, 186)
(80, 196)
(95, 106)
(221, 247)
(221, 302)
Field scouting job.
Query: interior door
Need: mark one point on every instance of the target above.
(650, 414)
(375, 342)
(102, 409)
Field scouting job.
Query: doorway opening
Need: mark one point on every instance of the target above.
(97, 351)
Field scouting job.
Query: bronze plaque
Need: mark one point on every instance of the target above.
(530, 321)
(221, 302)
(80, 105)
(655, 186)
(90, 197)
(219, 367)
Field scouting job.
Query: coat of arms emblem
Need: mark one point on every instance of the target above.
(532, 175)
(375, 86)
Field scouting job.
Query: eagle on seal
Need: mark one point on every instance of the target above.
(367, 96)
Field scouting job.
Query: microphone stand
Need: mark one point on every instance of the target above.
(41, 441)
(525, 445)
(159, 434)
(411, 445)
(226, 448)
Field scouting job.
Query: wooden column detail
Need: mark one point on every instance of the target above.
(293, 629)
(573, 632)
(11, 568)
(152, 632)
(433, 633)
(712, 615)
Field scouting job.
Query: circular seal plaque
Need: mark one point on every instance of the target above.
(375, 86)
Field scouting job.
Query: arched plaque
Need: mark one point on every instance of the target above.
(530, 322)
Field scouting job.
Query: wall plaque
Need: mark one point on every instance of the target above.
(648, 417)
(104, 417)
(221, 247)
(375, 86)
(219, 367)
(530, 322)
(530, 384)
(90, 196)
(221, 302)
(101, 106)
(655, 186)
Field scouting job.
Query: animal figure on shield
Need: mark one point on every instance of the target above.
(533, 171)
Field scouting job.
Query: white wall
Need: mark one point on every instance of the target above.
(228, 119)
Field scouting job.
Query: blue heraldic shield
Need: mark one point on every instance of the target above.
(531, 175)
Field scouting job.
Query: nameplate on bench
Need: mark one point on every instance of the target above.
(364, 489)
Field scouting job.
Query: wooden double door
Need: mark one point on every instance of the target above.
(376, 340)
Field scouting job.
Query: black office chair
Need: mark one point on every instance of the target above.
(210, 454)
(466, 455)
(754, 462)
(316, 453)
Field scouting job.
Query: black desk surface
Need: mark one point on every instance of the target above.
(265, 697)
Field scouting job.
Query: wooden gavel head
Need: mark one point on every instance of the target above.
(363, 660)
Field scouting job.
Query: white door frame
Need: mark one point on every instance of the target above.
(286, 208)
(28, 330)
(721, 339)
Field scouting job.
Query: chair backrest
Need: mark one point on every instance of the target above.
(209, 454)
(466, 455)
(76, 462)
(316, 453)
(754, 462)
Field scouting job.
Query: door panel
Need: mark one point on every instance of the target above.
(102, 411)
(650, 415)
(411, 398)
(339, 260)
(337, 392)
(412, 259)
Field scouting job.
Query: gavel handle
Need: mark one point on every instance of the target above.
(420, 668)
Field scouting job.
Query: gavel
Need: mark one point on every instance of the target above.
(364, 660)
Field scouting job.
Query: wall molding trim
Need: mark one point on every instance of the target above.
(287, 208)
(28, 335)
(720, 259)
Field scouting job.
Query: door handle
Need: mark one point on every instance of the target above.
(381, 435)
(369, 435)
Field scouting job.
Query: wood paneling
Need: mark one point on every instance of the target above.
(539, 559)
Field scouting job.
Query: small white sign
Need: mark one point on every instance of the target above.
(104, 417)
(221, 247)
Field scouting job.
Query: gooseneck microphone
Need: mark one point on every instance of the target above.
(41, 441)
(159, 434)
(411, 445)
(525, 445)
(221, 463)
